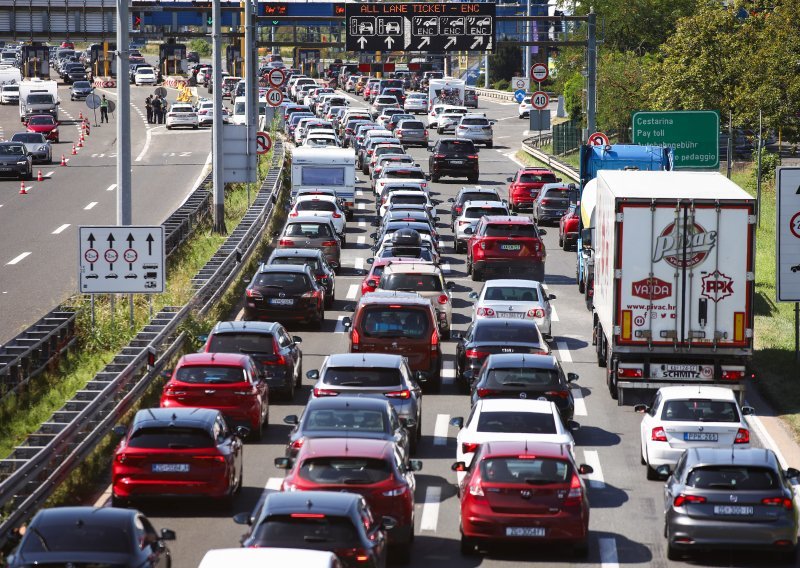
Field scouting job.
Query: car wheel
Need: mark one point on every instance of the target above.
(434, 177)
(672, 552)
(580, 549)
(467, 546)
(560, 240)
(29, 175)
(320, 320)
(117, 502)
(788, 556)
(477, 275)
(565, 245)
(402, 554)
(298, 382)
(257, 434)
(196, 126)
(473, 179)
(490, 144)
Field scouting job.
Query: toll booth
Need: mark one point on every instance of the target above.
(35, 61)
(103, 59)
(234, 62)
(172, 59)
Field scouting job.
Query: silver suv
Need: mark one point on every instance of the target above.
(476, 127)
(471, 213)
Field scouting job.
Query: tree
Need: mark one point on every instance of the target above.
(621, 79)
(505, 62)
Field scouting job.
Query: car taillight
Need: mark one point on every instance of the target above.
(545, 201)
(442, 299)
(784, 502)
(434, 340)
(575, 494)
(475, 488)
(626, 372)
(425, 133)
(251, 392)
(329, 243)
(253, 294)
(404, 394)
(732, 375)
(129, 459)
(460, 223)
(297, 444)
(293, 214)
(212, 459)
(398, 131)
(742, 436)
(682, 499)
(286, 242)
(483, 392)
(468, 447)
(357, 554)
(325, 392)
(439, 156)
(336, 216)
(536, 313)
(172, 391)
(484, 245)
(472, 157)
(485, 312)
(396, 492)
(459, 209)
(560, 394)
(475, 354)
(355, 339)
(658, 434)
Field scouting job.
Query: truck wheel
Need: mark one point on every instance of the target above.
(611, 381)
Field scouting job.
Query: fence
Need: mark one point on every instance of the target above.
(566, 137)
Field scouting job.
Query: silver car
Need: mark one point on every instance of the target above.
(416, 103)
(448, 121)
(476, 127)
(308, 231)
(514, 299)
(38, 146)
(471, 213)
(378, 375)
(412, 133)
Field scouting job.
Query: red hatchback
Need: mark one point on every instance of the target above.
(177, 452)
(523, 492)
(44, 124)
(375, 469)
(506, 245)
(568, 227)
(525, 186)
(228, 382)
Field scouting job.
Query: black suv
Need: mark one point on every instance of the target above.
(454, 157)
(285, 293)
(314, 259)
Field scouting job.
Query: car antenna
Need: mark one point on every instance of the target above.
(309, 504)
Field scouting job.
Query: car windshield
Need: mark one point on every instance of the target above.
(412, 125)
(42, 120)
(511, 230)
(395, 322)
(525, 470)
(345, 471)
(412, 282)
(210, 375)
(308, 230)
(12, 149)
(699, 410)
(537, 178)
(478, 212)
(733, 477)
(75, 537)
(362, 377)
(516, 423)
(28, 138)
(316, 205)
(500, 332)
(170, 437)
(351, 420)
(523, 377)
(511, 294)
(457, 146)
(261, 343)
(81, 85)
(15, 88)
(291, 282)
(300, 530)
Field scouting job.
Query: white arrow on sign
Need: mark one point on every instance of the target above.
(425, 41)
(362, 41)
(478, 41)
(389, 42)
(451, 41)
(406, 33)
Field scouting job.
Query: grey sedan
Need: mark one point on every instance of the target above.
(15, 160)
(37, 145)
(412, 132)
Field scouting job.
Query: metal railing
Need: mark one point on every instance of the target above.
(37, 467)
(566, 169)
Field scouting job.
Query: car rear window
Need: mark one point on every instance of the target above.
(170, 437)
(393, 322)
(308, 230)
(530, 471)
(350, 420)
(210, 375)
(412, 125)
(478, 212)
(291, 282)
(311, 262)
(474, 122)
(403, 174)
(345, 471)
(699, 410)
(521, 377)
(412, 282)
(40, 120)
(557, 193)
(516, 422)
(462, 146)
(316, 205)
(511, 294)
(511, 230)
(362, 377)
(538, 178)
(409, 199)
(27, 137)
(302, 530)
(78, 538)
(499, 332)
(733, 477)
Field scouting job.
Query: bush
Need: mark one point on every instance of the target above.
(201, 46)
(769, 161)
(501, 85)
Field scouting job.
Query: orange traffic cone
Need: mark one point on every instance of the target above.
(74, 150)
(40, 177)
(63, 160)
(22, 189)
(80, 115)
(80, 142)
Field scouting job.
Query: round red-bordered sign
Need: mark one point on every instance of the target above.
(263, 142)
(111, 255)
(274, 97)
(276, 77)
(598, 139)
(539, 72)
(794, 225)
(540, 100)
(91, 256)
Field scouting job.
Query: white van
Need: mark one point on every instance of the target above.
(238, 116)
(265, 557)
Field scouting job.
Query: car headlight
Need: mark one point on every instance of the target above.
(54, 131)
(22, 162)
(42, 148)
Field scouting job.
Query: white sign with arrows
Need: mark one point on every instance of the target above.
(121, 259)
(787, 230)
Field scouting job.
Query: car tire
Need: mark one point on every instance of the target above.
(564, 245)
(467, 546)
(672, 552)
(320, 320)
(29, 175)
(118, 503)
(652, 475)
(473, 179)
(402, 553)
(490, 144)
(434, 177)
(788, 556)
(580, 550)
(560, 240)
(196, 126)
(298, 382)
(477, 275)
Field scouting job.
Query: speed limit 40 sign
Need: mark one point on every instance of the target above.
(274, 97)
(540, 100)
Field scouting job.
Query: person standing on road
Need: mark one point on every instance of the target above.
(156, 110)
(104, 109)
(164, 109)
(148, 104)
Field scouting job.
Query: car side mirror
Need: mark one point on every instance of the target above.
(459, 466)
(202, 338)
(430, 148)
(428, 177)
(572, 377)
(470, 231)
(167, 374)
(333, 264)
(241, 431)
(456, 335)
(420, 377)
(372, 284)
(313, 375)
(374, 224)
(791, 473)
(542, 232)
(664, 471)
(551, 296)
(291, 420)
(347, 323)
(167, 534)
(450, 285)
(473, 296)
(283, 463)
(585, 469)
(586, 237)
(243, 519)
(451, 200)
(641, 408)
(414, 465)
(748, 410)
(373, 236)
(120, 430)
(457, 421)
(558, 179)
(408, 422)
(573, 426)
(469, 375)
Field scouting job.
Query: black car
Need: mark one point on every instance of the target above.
(319, 520)
(469, 194)
(423, 228)
(192, 57)
(515, 375)
(89, 536)
(454, 157)
(314, 259)
(348, 417)
(15, 160)
(285, 293)
(487, 336)
(75, 72)
(275, 351)
(80, 90)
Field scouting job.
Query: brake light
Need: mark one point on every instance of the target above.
(216, 459)
(355, 339)
(297, 444)
(129, 459)
(318, 392)
(483, 392)
(329, 243)
(468, 447)
(398, 131)
(442, 299)
(425, 133)
(627, 372)
(293, 214)
(438, 156)
(545, 201)
(485, 312)
(658, 434)
(536, 313)
(462, 127)
(729, 375)
(784, 502)
(475, 354)
(434, 340)
(404, 394)
(172, 391)
(251, 392)
(560, 394)
(472, 156)
(396, 492)
(459, 209)
(307, 516)
(253, 294)
(742, 436)
(475, 488)
(359, 554)
(682, 499)
(575, 494)
(286, 243)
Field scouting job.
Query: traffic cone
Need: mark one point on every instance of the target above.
(40, 177)
(80, 115)
(86, 127)
(63, 160)
(22, 189)
(74, 150)
(80, 142)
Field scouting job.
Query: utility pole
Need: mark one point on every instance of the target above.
(216, 127)
(123, 117)
(526, 60)
(591, 87)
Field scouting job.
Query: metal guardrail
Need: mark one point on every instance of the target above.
(35, 469)
(495, 94)
(566, 169)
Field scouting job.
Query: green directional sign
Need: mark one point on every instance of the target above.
(692, 134)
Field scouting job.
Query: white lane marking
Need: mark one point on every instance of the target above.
(580, 403)
(359, 192)
(553, 314)
(90, 206)
(339, 325)
(500, 137)
(362, 240)
(359, 263)
(361, 206)
(440, 429)
(362, 223)
(49, 174)
(595, 478)
(146, 145)
(446, 268)
(273, 484)
(430, 509)
(105, 498)
(17, 259)
(608, 552)
(448, 373)
(351, 292)
(61, 229)
(514, 159)
(755, 423)
(111, 187)
(563, 352)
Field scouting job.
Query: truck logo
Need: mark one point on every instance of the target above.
(684, 248)
(717, 286)
(654, 288)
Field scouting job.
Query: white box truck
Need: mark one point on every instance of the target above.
(38, 97)
(673, 279)
(333, 168)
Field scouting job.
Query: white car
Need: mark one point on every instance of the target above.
(406, 197)
(205, 113)
(259, 557)
(517, 299)
(144, 76)
(525, 107)
(471, 213)
(435, 113)
(182, 114)
(328, 130)
(402, 174)
(683, 417)
(510, 420)
(320, 206)
(416, 103)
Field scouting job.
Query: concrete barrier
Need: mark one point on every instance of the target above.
(175, 82)
(104, 83)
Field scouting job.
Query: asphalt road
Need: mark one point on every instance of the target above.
(38, 231)
(627, 510)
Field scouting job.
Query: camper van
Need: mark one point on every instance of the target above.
(333, 168)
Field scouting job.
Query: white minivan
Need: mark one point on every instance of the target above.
(265, 557)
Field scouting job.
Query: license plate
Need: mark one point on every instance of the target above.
(456, 162)
(281, 301)
(700, 437)
(733, 510)
(170, 467)
(510, 247)
(515, 315)
(524, 531)
(6, 169)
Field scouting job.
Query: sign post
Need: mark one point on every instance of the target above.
(787, 259)
(692, 134)
(540, 120)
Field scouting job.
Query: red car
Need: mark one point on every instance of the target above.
(177, 452)
(508, 245)
(228, 382)
(44, 124)
(375, 469)
(568, 227)
(523, 492)
(525, 186)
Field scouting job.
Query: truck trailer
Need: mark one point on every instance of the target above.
(673, 280)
